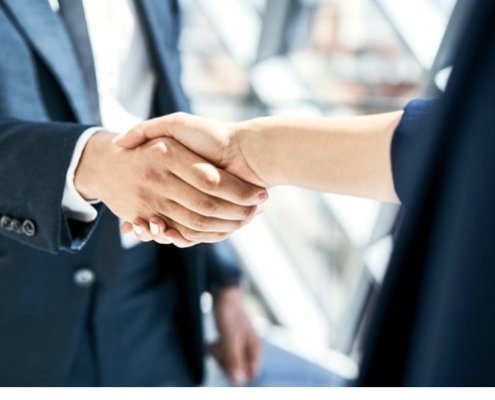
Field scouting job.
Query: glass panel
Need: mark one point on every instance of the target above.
(311, 260)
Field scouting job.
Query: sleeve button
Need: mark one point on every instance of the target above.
(16, 226)
(28, 228)
(5, 222)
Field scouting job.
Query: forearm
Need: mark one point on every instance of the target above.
(348, 155)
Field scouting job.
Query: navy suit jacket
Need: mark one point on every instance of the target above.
(434, 323)
(43, 110)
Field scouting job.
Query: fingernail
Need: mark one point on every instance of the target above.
(239, 377)
(154, 228)
(119, 137)
(263, 197)
(137, 229)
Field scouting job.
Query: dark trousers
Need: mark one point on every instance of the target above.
(130, 336)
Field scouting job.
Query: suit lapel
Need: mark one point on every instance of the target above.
(45, 30)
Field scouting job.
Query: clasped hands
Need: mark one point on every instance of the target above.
(178, 179)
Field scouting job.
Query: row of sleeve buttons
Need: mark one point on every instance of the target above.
(27, 227)
(83, 277)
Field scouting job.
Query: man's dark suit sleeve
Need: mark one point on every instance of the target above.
(222, 266)
(34, 159)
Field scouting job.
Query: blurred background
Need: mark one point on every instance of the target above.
(313, 262)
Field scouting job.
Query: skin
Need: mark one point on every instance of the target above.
(348, 155)
(238, 348)
(164, 181)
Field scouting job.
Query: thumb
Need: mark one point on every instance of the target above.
(133, 138)
(145, 131)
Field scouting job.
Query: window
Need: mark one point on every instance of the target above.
(312, 260)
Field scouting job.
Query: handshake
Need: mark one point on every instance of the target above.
(184, 179)
(178, 179)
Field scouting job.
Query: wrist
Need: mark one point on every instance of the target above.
(228, 294)
(252, 146)
(86, 177)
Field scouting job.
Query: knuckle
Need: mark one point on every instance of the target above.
(180, 116)
(233, 226)
(201, 223)
(246, 194)
(144, 197)
(150, 174)
(207, 206)
(238, 225)
(208, 180)
(222, 236)
(163, 208)
(247, 212)
(158, 149)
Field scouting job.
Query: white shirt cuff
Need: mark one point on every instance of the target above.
(74, 205)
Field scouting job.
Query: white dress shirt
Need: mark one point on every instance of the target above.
(126, 83)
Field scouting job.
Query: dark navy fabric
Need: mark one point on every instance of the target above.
(131, 337)
(43, 314)
(418, 117)
(434, 322)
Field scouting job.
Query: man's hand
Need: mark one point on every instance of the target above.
(216, 141)
(164, 179)
(238, 348)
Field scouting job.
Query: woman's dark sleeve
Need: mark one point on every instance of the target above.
(419, 116)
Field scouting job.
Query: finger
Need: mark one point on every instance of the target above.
(141, 229)
(205, 177)
(194, 237)
(169, 236)
(234, 362)
(157, 228)
(184, 237)
(193, 201)
(215, 350)
(217, 182)
(180, 241)
(188, 221)
(253, 355)
(220, 350)
(126, 227)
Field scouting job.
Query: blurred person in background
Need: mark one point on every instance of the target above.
(80, 305)
(433, 324)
